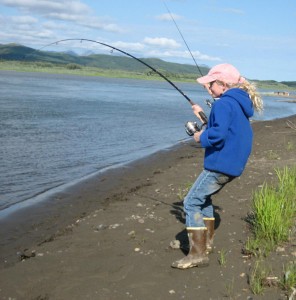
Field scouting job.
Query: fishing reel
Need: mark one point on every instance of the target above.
(192, 127)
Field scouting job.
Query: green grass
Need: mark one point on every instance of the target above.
(229, 288)
(273, 212)
(272, 155)
(290, 146)
(222, 259)
(272, 220)
(289, 279)
(75, 69)
(148, 74)
(258, 274)
(182, 192)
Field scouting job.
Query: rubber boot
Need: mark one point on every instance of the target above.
(210, 224)
(197, 256)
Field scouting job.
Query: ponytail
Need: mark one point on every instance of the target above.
(250, 88)
(255, 97)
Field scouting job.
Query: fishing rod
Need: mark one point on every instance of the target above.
(202, 115)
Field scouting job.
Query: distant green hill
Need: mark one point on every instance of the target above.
(118, 62)
(115, 62)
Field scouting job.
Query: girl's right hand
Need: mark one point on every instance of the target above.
(196, 110)
(197, 135)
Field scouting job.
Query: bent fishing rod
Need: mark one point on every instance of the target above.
(202, 114)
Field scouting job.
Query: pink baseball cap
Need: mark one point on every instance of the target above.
(224, 72)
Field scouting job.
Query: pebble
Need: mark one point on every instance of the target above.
(23, 255)
(133, 233)
(101, 227)
(114, 226)
(280, 249)
(175, 244)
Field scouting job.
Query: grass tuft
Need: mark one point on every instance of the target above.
(289, 279)
(272, 220)
(273, 212)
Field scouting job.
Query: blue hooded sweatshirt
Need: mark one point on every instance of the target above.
(228, 137)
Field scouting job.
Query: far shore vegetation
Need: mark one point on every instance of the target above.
(76, 69)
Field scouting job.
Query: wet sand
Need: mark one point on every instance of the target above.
(109, 236)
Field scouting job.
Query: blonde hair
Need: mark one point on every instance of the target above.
(250, 88)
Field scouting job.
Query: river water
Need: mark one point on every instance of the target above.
(57, 129)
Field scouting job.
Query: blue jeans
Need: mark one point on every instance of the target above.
(198, 202)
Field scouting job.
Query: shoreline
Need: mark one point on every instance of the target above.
(54, 192)
(261, 84)
(51, 193)
(109, 237)
(46, 216)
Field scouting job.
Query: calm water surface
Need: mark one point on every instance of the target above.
(57, 129)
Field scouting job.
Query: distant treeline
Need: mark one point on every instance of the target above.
(109, 64)
(15, 52)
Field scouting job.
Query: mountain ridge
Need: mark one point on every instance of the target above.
(18, 52)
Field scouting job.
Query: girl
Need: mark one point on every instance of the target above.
(227, 140)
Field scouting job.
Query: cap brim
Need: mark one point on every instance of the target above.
(205, 79)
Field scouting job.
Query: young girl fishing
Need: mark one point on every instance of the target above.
(227, 140)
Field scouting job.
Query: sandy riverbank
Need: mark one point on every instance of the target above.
(108, 238)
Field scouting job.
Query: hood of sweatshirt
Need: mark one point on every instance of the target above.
(242, 98)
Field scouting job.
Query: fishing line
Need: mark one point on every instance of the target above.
(183, 38)
(207, 101)
(202, 115)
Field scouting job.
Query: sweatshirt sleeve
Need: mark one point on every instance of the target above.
(216, 133)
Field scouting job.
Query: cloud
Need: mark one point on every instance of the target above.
(129, 46)
(97, 23)
(168, 17)
(229, 10)
(233, 11)
(71, 11)
(147, 51)
(182, 54)
(38, 21)
(23, 20)
(161, 42)
(48, 6)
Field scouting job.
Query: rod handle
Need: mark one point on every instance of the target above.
(203, 117)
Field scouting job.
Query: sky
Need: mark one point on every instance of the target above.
(256, 36)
